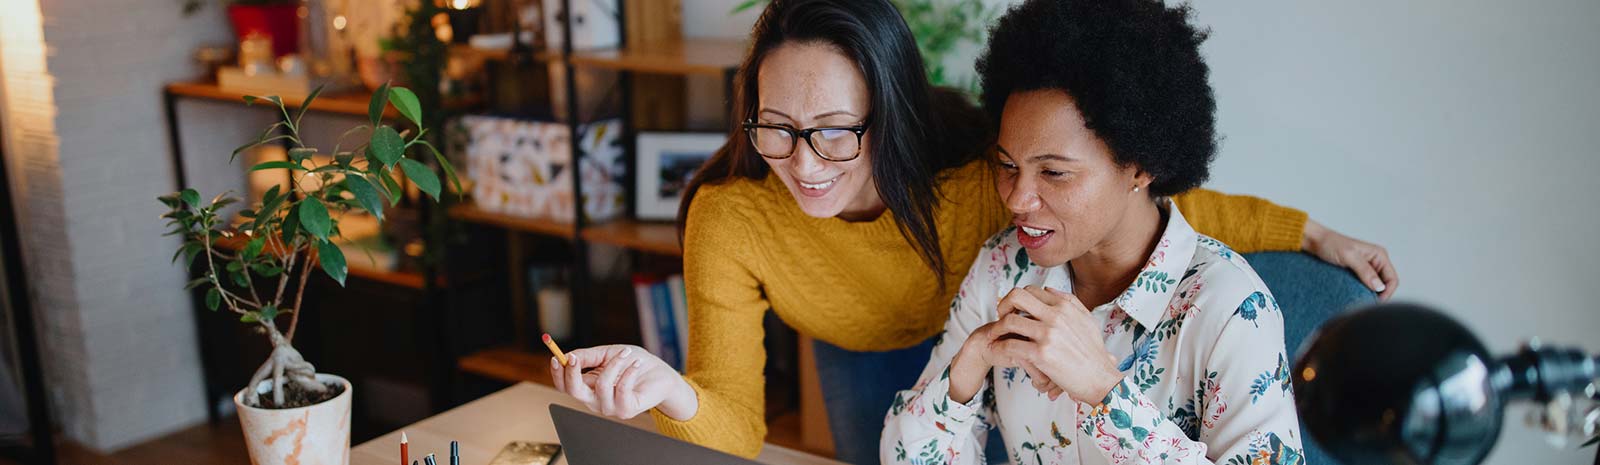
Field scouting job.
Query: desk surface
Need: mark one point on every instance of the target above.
(517, 413)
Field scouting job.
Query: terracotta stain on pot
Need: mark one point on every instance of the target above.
(299, 428)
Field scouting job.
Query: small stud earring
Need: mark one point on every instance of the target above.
(1136, 188)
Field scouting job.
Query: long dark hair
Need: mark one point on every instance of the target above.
(917, 131)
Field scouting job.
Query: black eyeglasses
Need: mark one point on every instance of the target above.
(836, 143)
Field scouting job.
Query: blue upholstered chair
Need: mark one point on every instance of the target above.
(857, 387)
(1310, 291)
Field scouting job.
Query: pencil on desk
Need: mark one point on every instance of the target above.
(551, 343)
(405, 448)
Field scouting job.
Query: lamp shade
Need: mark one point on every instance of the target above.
(1401, 384)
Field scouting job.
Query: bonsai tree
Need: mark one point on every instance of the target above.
(280, 237)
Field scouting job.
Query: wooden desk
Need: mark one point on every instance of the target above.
(517, 413)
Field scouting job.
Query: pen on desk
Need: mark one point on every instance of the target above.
(455, 453)
(428, 460)
(555, 349)
(405, 448)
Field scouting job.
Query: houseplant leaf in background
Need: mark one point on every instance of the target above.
(940, 27)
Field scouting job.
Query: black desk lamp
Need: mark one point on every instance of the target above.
(1404, 384)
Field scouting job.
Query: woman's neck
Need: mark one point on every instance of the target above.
(1106, 270)
(868, 207)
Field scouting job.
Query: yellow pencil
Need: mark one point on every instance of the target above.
(554, 349)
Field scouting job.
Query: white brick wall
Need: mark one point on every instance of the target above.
(87, 140)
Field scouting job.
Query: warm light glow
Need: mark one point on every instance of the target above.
(28, 99)
(339, 22)
(460, 4)
(1308, 374)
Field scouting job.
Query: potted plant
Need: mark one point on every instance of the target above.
(277, 20)
(248, 267)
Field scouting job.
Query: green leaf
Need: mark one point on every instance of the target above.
(332, 260)
(270, 202)
(445, 163)
(387, 146)
(380, 99)
(213, 298)
(190, 197)
(306, 104)
(747, 4)
(249, 317)
(1121, 419)
(253, 249)
(421, 176)
(299, 154)
(394, 187)
(406, 102)
(267, 271)
(366, 194)
(239, 278)
(291, 224)
(344, 158)
(188, 247)
(278, 164)
(268, 312)
(314, 217)
(235, 266)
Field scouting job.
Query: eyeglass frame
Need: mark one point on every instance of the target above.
(750, 126)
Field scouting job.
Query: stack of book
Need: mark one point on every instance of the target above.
(663, 317)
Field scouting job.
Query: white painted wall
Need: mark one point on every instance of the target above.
(1460, 134)
(88, 151)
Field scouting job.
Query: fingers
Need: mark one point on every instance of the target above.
(1027, 300)
(573, 372)
(605, 385)
(1041, 382)
(627, 392)
(558, 377)
(1390, 277)
(1015, 323)
(1368, 275)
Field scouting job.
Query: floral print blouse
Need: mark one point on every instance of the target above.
(1206, 378)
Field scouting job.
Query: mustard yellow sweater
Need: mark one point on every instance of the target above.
(858, 285)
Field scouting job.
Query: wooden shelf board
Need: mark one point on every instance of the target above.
(348, 102)
(657, 238)
(358, 267)
(713, 57)
(549, 227)
(351, 101)
(464, 50)
(508, 364)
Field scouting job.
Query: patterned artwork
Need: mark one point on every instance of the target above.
(524, 168)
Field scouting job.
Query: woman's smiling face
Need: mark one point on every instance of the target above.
(808, 85)
(1065, 190)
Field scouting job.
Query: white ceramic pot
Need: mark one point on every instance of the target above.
(312, 435)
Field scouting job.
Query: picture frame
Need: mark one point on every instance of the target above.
(664, 164)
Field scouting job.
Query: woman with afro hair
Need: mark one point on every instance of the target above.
(1100, 327)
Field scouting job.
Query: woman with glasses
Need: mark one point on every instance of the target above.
(851, 201)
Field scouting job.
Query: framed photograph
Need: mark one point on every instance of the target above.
(665, 163)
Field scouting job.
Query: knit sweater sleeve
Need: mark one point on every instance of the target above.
(1247, 224)
(726, 307)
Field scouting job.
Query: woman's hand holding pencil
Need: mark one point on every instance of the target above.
(622, 381)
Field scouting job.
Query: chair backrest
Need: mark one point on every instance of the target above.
(1310, 291)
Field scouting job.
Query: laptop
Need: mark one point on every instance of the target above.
(591, 440)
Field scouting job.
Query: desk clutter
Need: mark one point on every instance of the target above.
(515, 453)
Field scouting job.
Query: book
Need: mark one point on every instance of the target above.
(680, 313)
(666, 333)
(647, 312)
